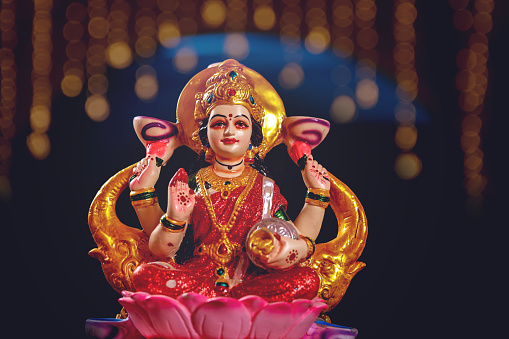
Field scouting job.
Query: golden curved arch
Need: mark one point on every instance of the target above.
(336, 261)
(122, 248)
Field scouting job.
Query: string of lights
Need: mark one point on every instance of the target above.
(407, 165)
(472, 82)
(8, 93)
(97, 106)
(366, 91)
(343, 108)
(40, 112)
(73, 69)
(236, 45)
(292, 75)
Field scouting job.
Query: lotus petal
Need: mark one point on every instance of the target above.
(272, 321)
(138, 314)
(192, 300)
(170, 318)
(304, 313)
(253, 303)
(222, 318)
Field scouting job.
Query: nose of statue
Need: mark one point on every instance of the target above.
(228, 131)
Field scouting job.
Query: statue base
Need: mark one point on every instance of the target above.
(112, 328)
(192, 315)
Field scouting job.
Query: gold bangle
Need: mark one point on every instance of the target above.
(311, 246)
(137, 204)
(175, 222)
(321, 204)
(172, 226)
(143, 190)
(320, 191)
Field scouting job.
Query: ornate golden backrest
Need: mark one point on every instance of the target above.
(122, 248)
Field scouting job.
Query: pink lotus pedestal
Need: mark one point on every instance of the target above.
(192, 315)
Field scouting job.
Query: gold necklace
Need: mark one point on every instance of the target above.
(223, 251)
(226, 185)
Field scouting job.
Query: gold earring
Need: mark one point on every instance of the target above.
(209, 154)
(249, 156)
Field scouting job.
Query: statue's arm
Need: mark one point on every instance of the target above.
(143, 196)
(165, 240)
(309, 221)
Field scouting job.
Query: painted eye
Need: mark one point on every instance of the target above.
(241, 124)
(217, 124)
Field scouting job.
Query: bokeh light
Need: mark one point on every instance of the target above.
(318, 40)
(98, 27)
(343, 109)
(462, 19)
(291, 76)
(213, 13)
(39, 145)
(98, 84)
(185, 60)
(119, 55)
(40, 118)
(366, 93)
(71, 85)
(236, 46)
(408, 166)
(405, 113)
(145, 46)
(264, 17)
(146, 86)
(97, 107)
(169, 34)
(406, 137)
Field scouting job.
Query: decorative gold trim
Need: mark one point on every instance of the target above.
(175, 222)
(320, 191)
(321, 204)
(228, 86)
(142, 190)
(138, 204)
(212, 250)
(268, 98)
(218, 183)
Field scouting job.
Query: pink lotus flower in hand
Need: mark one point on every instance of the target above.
(192, 315)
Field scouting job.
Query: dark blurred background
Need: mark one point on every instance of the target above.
(416, 95)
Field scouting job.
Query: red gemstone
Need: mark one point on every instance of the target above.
(231, 92)
(222, 249)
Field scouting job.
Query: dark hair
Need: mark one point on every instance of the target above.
(256, 140)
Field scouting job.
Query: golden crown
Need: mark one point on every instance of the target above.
(229, 86)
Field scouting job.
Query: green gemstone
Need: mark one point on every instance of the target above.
(220, 283)
(227, 182)
(232, 75)
(220, 271)
(252, 100)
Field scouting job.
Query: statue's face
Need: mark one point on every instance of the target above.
(229, 131)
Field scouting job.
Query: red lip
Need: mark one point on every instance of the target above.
(229, 141)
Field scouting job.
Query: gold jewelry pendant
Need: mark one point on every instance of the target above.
(226, 185)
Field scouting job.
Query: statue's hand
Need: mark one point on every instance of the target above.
(181, 199)
(145, 173)
(314, 175)
(270, 250)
